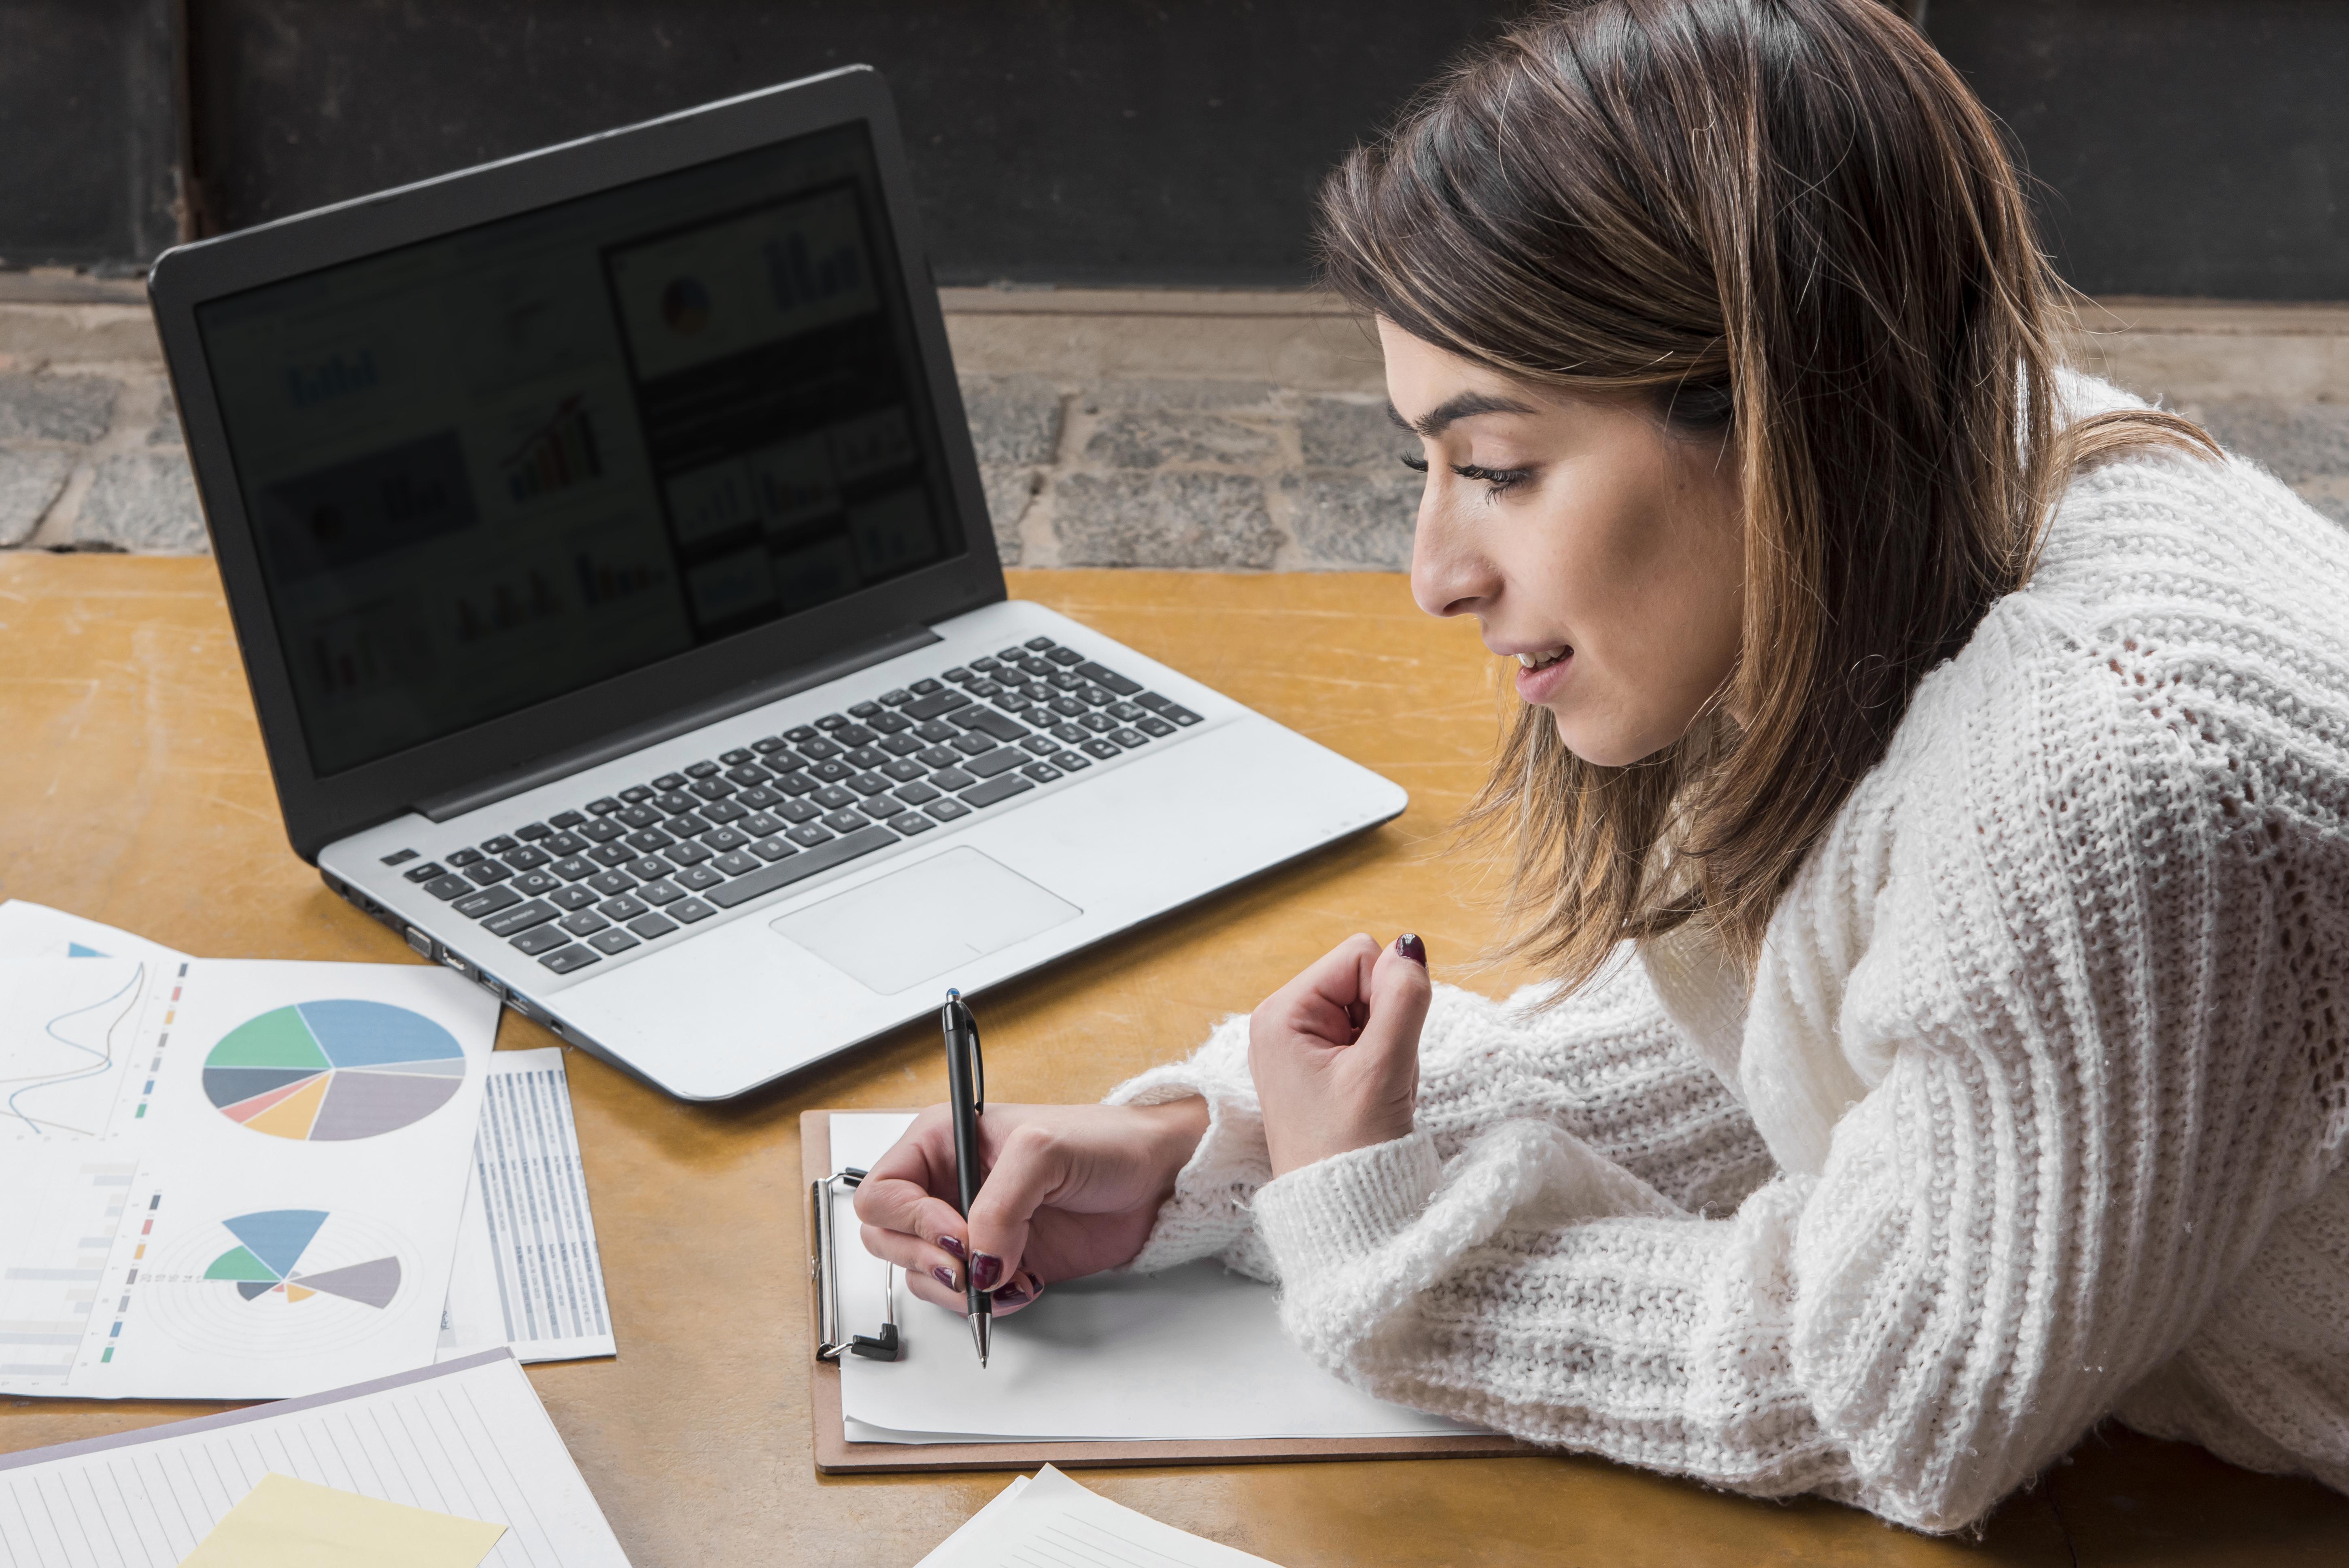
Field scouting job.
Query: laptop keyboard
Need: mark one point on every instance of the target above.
(645, 864)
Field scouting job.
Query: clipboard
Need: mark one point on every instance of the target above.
(835, 1455)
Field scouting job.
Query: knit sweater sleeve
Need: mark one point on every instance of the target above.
(2068, 1123)
(1604, 1066)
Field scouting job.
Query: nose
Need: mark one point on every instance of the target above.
(1448, 575)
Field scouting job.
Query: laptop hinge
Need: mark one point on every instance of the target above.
(620, 743)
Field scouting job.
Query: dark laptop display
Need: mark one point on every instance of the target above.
(507, 463)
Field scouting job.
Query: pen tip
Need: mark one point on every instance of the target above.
(980, 1324)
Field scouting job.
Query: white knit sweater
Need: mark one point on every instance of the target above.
(2033, 1115)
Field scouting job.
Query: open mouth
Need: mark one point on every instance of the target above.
(1543, 659)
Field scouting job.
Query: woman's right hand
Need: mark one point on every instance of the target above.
(1070, 1189)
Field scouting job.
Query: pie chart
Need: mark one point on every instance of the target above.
(267, 1262)
(330, 1071)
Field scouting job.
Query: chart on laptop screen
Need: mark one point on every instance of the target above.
(488, 469)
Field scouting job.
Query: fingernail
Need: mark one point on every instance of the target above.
(1019, 1291)
(952, 1244)
(945, 1276)
(986, 1268)
(1411, 947)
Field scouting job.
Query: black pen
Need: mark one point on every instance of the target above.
(966, 1086)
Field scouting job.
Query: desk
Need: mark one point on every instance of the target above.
(133, 791)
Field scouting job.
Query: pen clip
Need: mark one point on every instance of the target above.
(978, 1064)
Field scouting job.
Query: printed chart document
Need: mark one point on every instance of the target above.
(1194, 1352)
(527, 1272)
(1048, 1521)
(466, 1439)
(229, 1179)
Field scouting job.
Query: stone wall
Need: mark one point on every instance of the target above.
(1232, 432)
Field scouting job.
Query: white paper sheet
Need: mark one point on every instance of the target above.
(468, 1438)
(1195, 1352)
(252, 1189)
(527, 1273)
(1051, 1521)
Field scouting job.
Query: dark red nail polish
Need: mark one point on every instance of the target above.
(952, 1244)
(986, 1268)
(1411, 947)
(945, 1276)
(1019, 1293)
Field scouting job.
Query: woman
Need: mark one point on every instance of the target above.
(1931, 796)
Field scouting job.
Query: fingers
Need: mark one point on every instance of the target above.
(1031, 1165)
(1021, 1292)
(920, 1259)
(1329, 1000)
(1399, 991)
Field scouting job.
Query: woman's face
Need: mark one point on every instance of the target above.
(1601, 553)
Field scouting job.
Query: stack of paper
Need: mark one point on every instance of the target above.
(248, 1179)
(1049, 1522)
(1192, 1353)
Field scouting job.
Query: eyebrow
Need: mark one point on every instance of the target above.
(1466, 405)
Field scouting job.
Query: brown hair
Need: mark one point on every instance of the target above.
(1791, 222)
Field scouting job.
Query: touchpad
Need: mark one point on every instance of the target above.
(915, 924)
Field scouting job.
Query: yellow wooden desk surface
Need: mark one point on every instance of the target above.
(133, 791)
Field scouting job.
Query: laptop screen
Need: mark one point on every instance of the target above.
(495, 466)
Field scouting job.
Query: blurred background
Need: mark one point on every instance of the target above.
(1118, 196)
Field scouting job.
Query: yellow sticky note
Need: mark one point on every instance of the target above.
(288, 1523)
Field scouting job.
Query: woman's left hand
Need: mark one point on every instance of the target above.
(1335, 1052)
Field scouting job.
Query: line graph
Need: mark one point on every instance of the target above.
(44, 1100)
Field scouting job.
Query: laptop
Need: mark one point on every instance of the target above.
(607, 555)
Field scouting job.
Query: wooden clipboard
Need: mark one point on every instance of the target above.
(834, 1454)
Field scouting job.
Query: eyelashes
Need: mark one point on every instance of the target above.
(1496, 482)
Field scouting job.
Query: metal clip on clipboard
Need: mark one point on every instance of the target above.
(882, 1347)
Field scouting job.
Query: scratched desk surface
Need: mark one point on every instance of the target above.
(133, 791)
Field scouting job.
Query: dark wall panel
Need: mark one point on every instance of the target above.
(1056, 140)
(2189, 146)
(89, 133)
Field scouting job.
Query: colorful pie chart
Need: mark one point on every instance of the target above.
(330, 1071)
(267, 1262)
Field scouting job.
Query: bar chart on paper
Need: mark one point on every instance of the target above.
(333, 1070)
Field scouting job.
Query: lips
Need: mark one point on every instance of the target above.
(1542, 658)
(1541, 674)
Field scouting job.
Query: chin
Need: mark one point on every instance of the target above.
(1602, 746)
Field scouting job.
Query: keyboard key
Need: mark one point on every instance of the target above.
(1037, 645)
(782, 873)
(688, 911)
(855, 735)
(603, 805)
(698, 879)
(987, 666)
(733, 863)
(1129, 737)
(798, 734)
(612, 941)
(1124, 712)
(448, 887)
(564, 960)
(867, 756)
(623, 909)
(936, 732)
(758, 798)
(1002, 759)
(1062, 681)
(704, 770)
(649, 926)
(1064, 656)
(1099, 722)
(1101, 749)
(1110, 678)
(565, 821)
(522, 917)
(530, 884)
(724, 811)
(903, 770)
(830, 772)
(534, 833)
(768, 743)
(486, 903)
(1070, 761)
(1042, 772)
(797, 784)
(868, 784)
(1011, 655)
(603, 831)
(897, 697)
(718, 840)
(572, 868)
(649, 840)
(539, 939)
(1150, 724)
(952, 778)
(489, 872)
(674, 802)
(772, 848)
(843, 821)
(820, 749)
(798, 811)
(611, 854)
(560, 844)
(889, 723)
(464, 858)
(670, 781)
(586, 923)
(985, 689)
(930, 707)
(986, 721)
(1035, 667)
(747, 773)
(832, 796)
(914, 794)
(938, 756)
(995, 789)
(636, 794)
(832, 721)
(611, 884)
(638, 816)
(690, 826)
(782, 762)
(1069, 734)
(1096, 697)
(759, 824)
(570, 900)
(927, 688)
(688, 853)
(426, 873)
(663, 892)
(1068, 708)
(972, 743)
(911, 822)
(498, 845)
(713, 788)
(1039, 746)
(958, 676)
